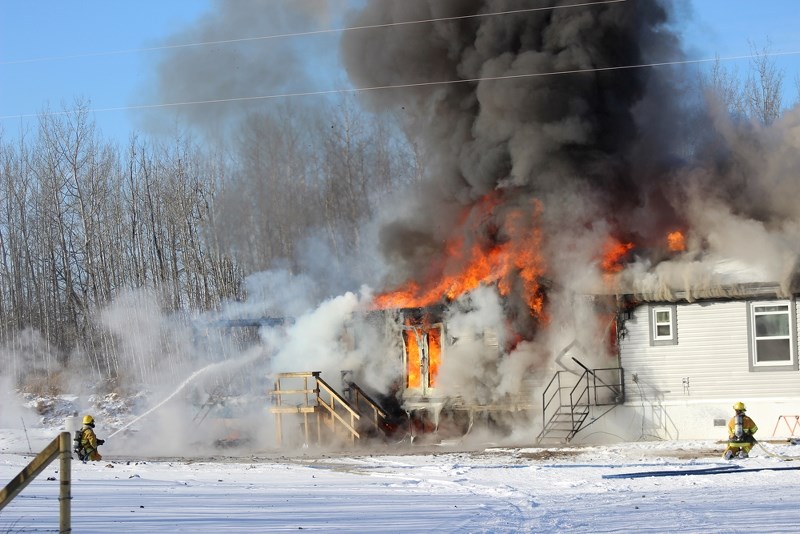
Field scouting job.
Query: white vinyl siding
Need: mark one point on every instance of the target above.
(712, 360)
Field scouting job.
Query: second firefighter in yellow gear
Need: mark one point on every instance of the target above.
(740, 434)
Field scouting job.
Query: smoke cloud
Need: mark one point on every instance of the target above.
(630, 153)
(254, 67)
(595, 147)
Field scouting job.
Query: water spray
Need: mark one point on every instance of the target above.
(180, 388)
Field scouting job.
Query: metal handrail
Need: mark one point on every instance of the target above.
(546, 402)
(617, 388)
(581, 397)
(573, 404)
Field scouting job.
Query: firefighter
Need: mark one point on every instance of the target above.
(740, 434)
(86, 441)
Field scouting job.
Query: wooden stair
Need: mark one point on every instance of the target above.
(326, 417)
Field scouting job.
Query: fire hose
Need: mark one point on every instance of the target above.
(718, 470)
(774, 454)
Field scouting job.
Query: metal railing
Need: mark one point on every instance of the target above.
(608, 386)
(551, 401)
(60, 447)
(565, 414)
(561, 413)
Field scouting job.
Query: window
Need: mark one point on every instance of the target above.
(771, 335)
(663, 325)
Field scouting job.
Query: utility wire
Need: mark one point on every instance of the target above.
(303, 34)
(400, 86)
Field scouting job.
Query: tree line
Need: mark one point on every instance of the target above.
(83, 219)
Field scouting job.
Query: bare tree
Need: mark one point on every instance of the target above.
(797, 89)
(763, 88)
(723, 84)
(82, 222)
(272, 194)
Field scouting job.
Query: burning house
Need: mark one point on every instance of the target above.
(580, 192)
(592, 185)
(429, 348)
(465, 347)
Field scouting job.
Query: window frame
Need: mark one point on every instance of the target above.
(659, 340)
(753, 338)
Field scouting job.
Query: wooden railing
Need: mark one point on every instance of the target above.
(365, 404)
(318, 404)
(60, 447)
(337, 402)
(304, 405)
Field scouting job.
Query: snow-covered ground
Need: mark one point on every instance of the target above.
(423, 489)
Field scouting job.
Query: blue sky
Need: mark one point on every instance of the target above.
(89, 29)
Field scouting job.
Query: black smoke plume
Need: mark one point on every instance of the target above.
(561, 105)
(528, 108)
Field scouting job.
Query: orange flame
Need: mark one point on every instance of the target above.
(676, 241)
(413, 369)
(431, 338)
(498, 256)
(434, 355)
(614, 252)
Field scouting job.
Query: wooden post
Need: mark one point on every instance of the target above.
(319, 428)
(59, 447)
(65, 494)
(278, 415)
(278, 430)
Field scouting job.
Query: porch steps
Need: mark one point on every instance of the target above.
(563, 425)
(325, 416)
(569, 397)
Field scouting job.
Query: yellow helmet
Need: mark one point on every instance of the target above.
(88, 420)
(739, 407)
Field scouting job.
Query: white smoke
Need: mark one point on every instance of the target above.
(742, 225)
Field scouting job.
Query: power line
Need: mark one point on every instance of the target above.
(401, 86)
(302, 34)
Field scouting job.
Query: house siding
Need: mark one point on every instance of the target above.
(710, 360)
(686, 390)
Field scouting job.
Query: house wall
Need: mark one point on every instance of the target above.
(686, 390)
